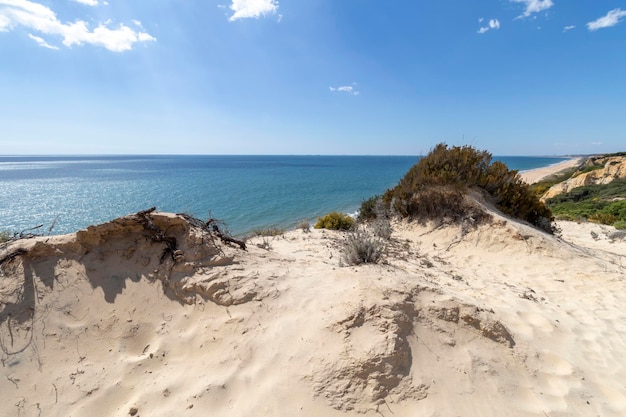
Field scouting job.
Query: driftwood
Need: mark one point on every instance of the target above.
(211, 226)
(11, 256)
(224, 237)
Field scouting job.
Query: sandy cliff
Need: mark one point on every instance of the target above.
(121, 319)
(605, 170)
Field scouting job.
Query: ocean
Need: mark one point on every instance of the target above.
(68, 193)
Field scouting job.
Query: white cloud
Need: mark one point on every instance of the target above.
(534, 6)
(88, 2)
(35, 16)
(244, 9)
(42, 43)
(5, 23)
(611, 19)
(568, 28)
(348, 89)
(493, 24)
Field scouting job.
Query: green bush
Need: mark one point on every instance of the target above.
(589, 169)
(602, 218)
(335, 221)
(370, 209)
(620, 225)
(436, 187)
(602, 203)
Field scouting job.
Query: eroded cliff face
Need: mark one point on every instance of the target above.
(608, 169)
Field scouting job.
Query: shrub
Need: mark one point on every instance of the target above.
(382, 228)
(304, 225)
(267, 236)
(361, 246)
(601, 202)
(269, 232)
(602, 218)
(589, 169)
(370, 209)
(439, 204)
(335, 221)
(620, 225)
(435, 188)
(5, 236)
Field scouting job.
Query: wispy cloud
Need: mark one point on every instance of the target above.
(245, 9)
(42, 43)
(348, 89)
(38, 17)
(88, 2)
(533, 6)
(611, 19)
(493, 24)
(568, 28)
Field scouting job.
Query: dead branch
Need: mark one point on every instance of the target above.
(24, 235)
(11, 256)
(211, 226)
(156, 233)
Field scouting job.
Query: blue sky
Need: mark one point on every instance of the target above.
(515, 77)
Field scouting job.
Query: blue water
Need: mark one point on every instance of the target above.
(246, 192)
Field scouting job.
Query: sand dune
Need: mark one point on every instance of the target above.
(502, 320)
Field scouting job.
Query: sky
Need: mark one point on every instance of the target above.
(355, 77)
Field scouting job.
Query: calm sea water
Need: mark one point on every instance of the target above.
(246, 192)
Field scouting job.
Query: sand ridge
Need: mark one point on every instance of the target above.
(503, 320)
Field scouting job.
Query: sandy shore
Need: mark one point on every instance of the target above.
(498, 321)
(535, 175)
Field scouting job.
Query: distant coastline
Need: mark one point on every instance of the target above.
(537, 174)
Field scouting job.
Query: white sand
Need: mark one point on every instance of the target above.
(501, 321)
(535, 175)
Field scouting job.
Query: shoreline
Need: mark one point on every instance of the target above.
(535, 175)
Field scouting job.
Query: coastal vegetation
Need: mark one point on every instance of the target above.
(268, 232)
(594, 191)
(5, 236)
(362, 246)
(267, 236)
(437, 188)
(599, 203)
(335, 221)
(540, 187)
(304, 225)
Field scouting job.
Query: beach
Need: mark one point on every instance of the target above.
(535, 175)
(498, 320)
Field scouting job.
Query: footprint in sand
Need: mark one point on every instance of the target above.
(537, 321)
